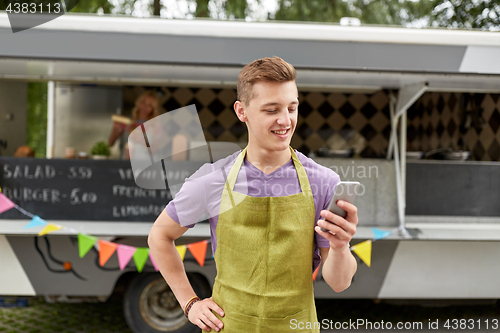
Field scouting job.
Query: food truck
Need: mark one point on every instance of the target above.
(412, 114)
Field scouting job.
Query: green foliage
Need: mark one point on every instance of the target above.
(100, 148)
(93, 6)
(475, 14)
(36, 118)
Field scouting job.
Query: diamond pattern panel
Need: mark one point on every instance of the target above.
(439, 120)
(360, 121)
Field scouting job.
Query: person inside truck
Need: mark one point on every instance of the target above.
(266, 237)
(147, 106)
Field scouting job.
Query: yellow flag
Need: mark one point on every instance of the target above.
(182, 251)
(364, 251)
(49, 228)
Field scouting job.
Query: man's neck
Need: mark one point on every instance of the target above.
(267, 161)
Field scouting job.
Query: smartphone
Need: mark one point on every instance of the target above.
(344, 191)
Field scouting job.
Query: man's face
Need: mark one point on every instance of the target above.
(271, 115)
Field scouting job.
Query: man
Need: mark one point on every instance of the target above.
(266, 219)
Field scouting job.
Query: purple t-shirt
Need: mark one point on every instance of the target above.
(200, 195)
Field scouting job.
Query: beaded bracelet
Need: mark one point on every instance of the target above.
(189, 304)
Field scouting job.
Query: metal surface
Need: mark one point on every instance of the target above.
(13, 97)
(83, 115)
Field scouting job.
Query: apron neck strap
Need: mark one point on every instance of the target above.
(301, 172)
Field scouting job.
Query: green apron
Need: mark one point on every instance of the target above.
(264, 259)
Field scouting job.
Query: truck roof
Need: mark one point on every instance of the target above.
(116, 49)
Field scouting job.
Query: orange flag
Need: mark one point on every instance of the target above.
(315, 274)
(199, 251)
(106, 250)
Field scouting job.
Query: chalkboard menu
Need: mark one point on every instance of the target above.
(58, 189)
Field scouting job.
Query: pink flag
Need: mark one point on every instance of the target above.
(124, 253)
(153, 262)
(5, 203)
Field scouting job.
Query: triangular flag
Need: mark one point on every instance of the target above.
(49, 228)
(140, 257)
(5, 203)
(153, 261)
(199, 251)
(182, 251)
(106, 250)
(36, 221)
(124, 253)
(315, 274)
(85, 243)
(379, 234)
(364, 251)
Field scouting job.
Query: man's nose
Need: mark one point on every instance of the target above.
(284, 118)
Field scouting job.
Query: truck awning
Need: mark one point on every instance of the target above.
(151, 50)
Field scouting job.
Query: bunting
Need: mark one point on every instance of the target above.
(85, 243)
(140, 256)
(5, 203)
(315, 274)
(106, 250)
(182, 251)
(199, 251)
(36, 221)
(125, 253)
(364, 251)
(49, 228)
(153, 261)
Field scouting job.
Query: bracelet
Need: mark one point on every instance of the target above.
(189, 304)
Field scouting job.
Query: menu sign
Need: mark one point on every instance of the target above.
(58, 189)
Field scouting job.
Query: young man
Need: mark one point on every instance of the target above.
(266, 219)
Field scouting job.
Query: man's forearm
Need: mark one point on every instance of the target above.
(339, 268)
(170, 264)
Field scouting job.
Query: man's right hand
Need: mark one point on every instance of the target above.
(202, 316)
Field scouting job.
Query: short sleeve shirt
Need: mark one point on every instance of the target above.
(200, 196)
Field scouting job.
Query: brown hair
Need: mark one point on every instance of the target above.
(265, 69)
(156, 104)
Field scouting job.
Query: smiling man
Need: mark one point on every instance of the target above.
(266, 207)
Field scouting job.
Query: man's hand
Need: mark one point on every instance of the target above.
(201, 315)
(341, 230)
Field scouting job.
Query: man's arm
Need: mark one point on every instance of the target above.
(339, 265)
(161, 242)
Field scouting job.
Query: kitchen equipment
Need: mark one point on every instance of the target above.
(337, 153)
(414, 155)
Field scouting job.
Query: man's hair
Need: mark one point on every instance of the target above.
(272, 69)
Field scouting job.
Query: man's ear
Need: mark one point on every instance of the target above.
(239, 108)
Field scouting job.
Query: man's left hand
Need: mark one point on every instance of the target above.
(340, 230)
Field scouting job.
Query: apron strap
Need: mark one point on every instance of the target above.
(233, 174)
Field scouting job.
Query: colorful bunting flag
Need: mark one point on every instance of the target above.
(199, 251)
(153, 261)
(379, 234)
(36, 221)
(315, 274)
(85, 243)
(364, 251)
(124, 253)
(182, 251)
(106, 250)
(140, 257)
(5, 203)
(49, 228)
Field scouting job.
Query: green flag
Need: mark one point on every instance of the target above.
(85, 243)
(140, 257)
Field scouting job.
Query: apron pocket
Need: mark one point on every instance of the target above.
(239, 322)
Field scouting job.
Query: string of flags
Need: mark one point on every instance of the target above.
(140, 255)
(106, 249)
